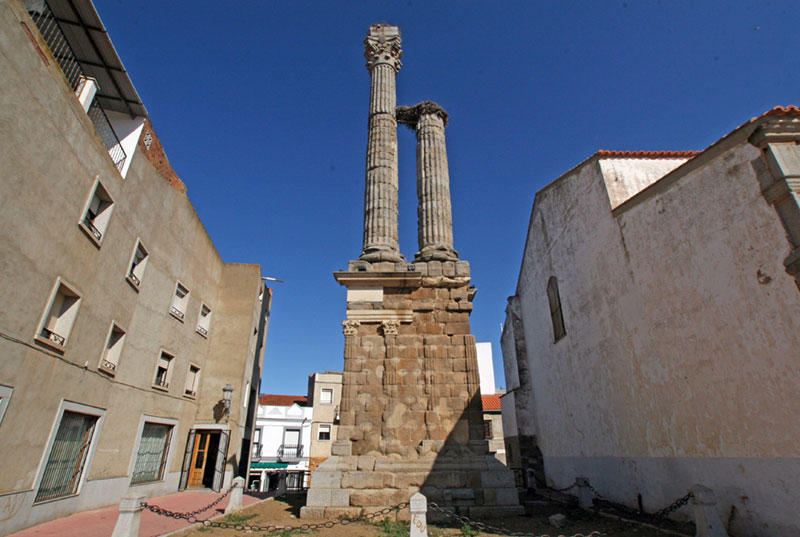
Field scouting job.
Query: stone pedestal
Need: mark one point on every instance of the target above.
(410, 417)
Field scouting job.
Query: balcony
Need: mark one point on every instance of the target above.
(290, 452)
(62, 45)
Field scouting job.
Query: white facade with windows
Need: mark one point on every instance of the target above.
(282, 441)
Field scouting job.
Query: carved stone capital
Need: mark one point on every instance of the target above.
(390, 327)
(409, 115)
(383, 46)
(350, 327)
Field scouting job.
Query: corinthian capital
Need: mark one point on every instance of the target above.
(382, 46)
(350, 327)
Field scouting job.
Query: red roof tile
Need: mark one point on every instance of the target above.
(281, 400)
(490, 402)
(782, 110)
(647, 154)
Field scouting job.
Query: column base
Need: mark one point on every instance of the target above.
(376, 255)
(436, 253)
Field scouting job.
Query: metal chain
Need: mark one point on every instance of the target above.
(208, 523)
(178, 515)
(496, 529)
(674, 506)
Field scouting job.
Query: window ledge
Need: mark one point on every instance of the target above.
(108, 371)
(175, 312)
(202, 331)
(189, 396)
(88, 232)
(160, 388)
(52, 344)
(133, 283)
(51, 500)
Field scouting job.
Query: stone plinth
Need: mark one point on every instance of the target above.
(410, 416)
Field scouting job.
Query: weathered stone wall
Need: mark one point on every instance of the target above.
(679, 361)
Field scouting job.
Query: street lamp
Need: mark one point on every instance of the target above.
(227, 391)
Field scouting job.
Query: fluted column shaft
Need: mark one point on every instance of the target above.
(434, 212)
(383, 54)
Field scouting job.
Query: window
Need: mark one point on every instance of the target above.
(556, 315)
(324, 432)
(60, 316)
(192, 380)
(113, 350)
(137, 265)
(179, 302)
(326, 396)
(97, 214)
(151, 457)
(162, 371)
(204, 320)
(67, 458)
(487, 428)
(5, 397)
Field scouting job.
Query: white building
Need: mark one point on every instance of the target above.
(282, 441)
(652, 342)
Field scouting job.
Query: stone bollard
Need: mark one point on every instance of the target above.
(130, 514)
(584, 493)
(706, 517)
(418, 507)
(235, 503)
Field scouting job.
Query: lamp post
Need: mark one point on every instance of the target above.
(227, 392)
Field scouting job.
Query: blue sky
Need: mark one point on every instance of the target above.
(262, 110)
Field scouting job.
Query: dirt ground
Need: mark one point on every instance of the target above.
(285, 511)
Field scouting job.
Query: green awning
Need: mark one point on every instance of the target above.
(269, 464)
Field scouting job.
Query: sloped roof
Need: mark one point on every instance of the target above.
(491, 402)
(647, 154)
(268, 399)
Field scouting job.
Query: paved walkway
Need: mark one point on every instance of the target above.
(100, 522)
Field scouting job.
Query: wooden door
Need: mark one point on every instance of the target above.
(199, 459)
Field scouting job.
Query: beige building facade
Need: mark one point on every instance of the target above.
(652, 342)
(325, 396)
(130, 353)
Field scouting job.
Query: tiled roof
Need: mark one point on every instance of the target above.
(647, 154)
(490, 402)
(281, 400)
(782, 110)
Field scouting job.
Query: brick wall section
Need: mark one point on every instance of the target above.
(157, 157)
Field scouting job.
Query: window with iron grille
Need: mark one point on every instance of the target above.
(151, 458)
(98, 214)
(163, 371)
(487, 428)
(67, 457)
(137, 265)
(59, 317)
(179, 301)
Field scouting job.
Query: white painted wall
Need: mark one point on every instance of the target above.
(485, 368)
(679, 365)
(275, 420)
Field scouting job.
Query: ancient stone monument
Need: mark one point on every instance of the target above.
(411, 416)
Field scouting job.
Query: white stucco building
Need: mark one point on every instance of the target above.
(282, 440)
(652, 341)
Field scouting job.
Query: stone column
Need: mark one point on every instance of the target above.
(383, 53)
(434, 213)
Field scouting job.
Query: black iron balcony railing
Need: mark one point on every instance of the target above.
(52, 336)
(108, 366)
(59, 45)
(290, 451)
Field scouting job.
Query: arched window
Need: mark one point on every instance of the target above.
(555, 309)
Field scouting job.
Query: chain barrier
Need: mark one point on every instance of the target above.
(496, 529)
(208, 523)
(674, 506)
(186, 516)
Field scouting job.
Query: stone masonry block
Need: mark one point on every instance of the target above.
(449, 269)
(462, 268)
(379, 498)
(507, 496)
(326, 480)
(312, 512)
(458, 294)
(497, 479)
(434, 268)
(414, 340)
(423, 305)
(456, 328)
(366, 463)
(435, 351)
(363, 480)
(465, 306)
(403, 480)
(432, 328)
(455, 351)
(423, 292)
(434, 339)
